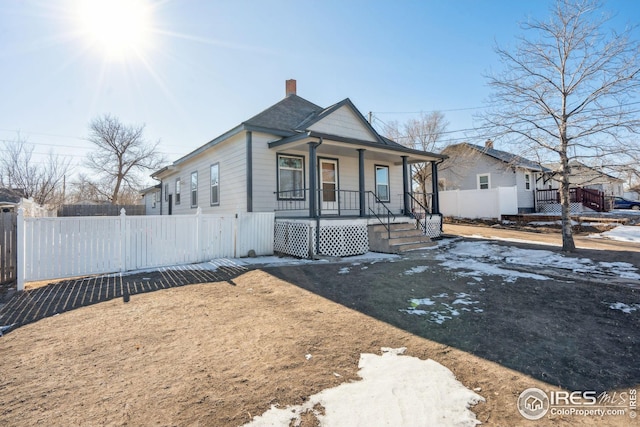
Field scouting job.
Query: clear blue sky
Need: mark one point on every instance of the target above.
(202, 67)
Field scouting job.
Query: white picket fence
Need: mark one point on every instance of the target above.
(54, 248)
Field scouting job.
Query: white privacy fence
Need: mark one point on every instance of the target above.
(52, 248)
(489, 203)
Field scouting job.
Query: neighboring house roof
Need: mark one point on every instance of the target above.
(150, 189)
(555, 167)
(503, 156)
(8, 195)
(291, 119)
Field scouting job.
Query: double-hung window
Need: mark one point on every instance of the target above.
(382, 183)
(290, 177)
(177, 191)
(483, 182)
(215, 184)
(194, 189)
(527, 181)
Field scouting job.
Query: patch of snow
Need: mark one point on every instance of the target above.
(395, 390)
(621, 233)
(344, 270)
(415, 302)
(625, 308)
(441, 311)
(416, 270)
(485, 258)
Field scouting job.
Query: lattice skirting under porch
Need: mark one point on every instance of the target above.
(556, 208)
(432, 226)
(337, 238)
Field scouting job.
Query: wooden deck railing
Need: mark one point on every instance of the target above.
(590, 198)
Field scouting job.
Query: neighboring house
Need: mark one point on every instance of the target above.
(475, 167)
(152, 197)
(305, 163)
(584, 176)
(11, 200)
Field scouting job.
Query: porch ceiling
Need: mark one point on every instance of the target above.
(336, 146)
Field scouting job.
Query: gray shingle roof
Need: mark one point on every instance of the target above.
(286, 115)
(505, 156)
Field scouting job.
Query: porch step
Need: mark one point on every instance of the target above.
(403, 237)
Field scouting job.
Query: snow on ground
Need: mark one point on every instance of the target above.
(625, 308)
(395, 390)
(485, 258)
(439, 310)
(477, 259)
(623, 233)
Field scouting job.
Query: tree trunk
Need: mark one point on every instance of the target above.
(568, 244)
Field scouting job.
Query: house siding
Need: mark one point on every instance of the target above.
(231, 157)
(463, 174)
(149, 198)
(265, 172)
(343, 122)
(525, 197)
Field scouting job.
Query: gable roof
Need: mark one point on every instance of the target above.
(289, 119)
(503, 156)
(286, 115)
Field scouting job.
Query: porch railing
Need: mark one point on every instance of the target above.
(332, 203)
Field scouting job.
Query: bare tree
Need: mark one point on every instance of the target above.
(568, 91)
(120, 157)
(41, 180)
(422, 133)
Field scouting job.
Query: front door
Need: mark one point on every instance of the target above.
(329, 186)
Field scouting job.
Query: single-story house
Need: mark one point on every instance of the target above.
(585, 176)
(476, 167)
(151, 197)
(319, 169)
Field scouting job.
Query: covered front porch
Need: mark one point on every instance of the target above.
(332, 190)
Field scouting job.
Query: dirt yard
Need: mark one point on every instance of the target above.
(217, 354)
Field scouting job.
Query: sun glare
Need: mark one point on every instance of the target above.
(120, 28)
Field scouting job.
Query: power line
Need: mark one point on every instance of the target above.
(428, 111)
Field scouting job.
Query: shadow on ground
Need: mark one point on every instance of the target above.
(32, 305)
(560, 331)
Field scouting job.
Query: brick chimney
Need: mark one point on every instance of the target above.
(488, 144)
(290, 87)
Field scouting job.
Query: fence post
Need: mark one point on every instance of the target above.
(21, 247)
(198, 236)
(123, 239)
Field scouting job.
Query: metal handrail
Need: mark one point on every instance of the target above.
(424, 208)
(389, 213)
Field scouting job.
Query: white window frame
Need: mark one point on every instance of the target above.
(294, 190)
(215, 184)
(387, 184)
(177, 200)
(194, 189)
(481, 175)
(527, 180)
